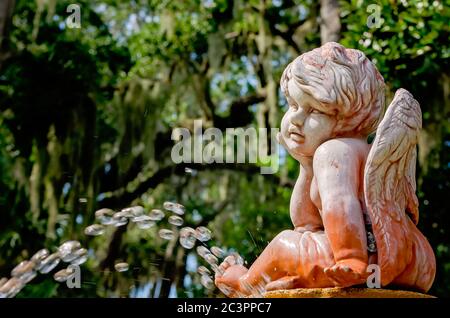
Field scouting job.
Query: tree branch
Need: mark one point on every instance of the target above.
(240, 115)
(121, 198)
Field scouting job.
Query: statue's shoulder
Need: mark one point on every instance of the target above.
(342, 151)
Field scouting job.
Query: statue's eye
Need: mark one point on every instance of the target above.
(315, 111)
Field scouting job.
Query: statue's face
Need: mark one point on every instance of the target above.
(306, 124)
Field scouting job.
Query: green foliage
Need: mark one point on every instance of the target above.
(410, 43)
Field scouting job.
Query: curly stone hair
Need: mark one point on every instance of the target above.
(344, 80)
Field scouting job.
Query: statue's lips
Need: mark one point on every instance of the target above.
(297, 137)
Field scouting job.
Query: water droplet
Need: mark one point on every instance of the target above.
(166, 234)
(187, 237)
(156, 215)
(216, 269)
(226, 290)
(207, 282)
(217, 251)
(81, 257)
(202, 270)
(80, 260)
(121, 222)
(121, 267)
(230, 260)
(39, 256)
(64, 274)
(11, 288)
(94, 230)
(267, 279)
(260, 289)
(3, 280)
(22, 267)
(175, 220)
(238, 260)
(134, 210)
(120, 218)
(143, 225)
(105, 216)
(24, 271)
(202, 251)
(174, 207)
(190, 171)
(203, 234)
(248, 288)
(141, 218)
(211, 259)
(48, 264)
(122, 214)
(66, 250)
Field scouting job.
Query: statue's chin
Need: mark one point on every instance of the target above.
(298, 150)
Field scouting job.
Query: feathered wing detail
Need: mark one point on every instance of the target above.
(390, 183)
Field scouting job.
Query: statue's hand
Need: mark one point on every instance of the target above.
(306, 162)
(281, 141)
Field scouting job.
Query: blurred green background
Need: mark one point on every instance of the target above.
(86, 116)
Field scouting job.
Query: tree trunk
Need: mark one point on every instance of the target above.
(330, 23)
(6, 9)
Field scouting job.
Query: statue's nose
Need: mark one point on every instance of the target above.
(298, 118)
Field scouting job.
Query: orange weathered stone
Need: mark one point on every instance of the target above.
(353, 207)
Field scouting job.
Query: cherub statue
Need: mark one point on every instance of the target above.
(354, 203)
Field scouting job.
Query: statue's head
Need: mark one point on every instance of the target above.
(332, 92)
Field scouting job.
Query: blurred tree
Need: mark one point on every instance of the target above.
(330, 25)
(6, 9)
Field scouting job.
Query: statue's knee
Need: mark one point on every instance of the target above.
(285, 237)
(286, 248)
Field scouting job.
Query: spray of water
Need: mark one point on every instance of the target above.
(72, 253)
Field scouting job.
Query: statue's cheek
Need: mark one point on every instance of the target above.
(313, 123)
(285, 124)
(322, 123)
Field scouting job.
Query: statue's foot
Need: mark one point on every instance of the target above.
(288, 282)
(348, 272)
(228, 276)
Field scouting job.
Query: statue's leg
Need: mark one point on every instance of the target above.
(347, 237)
(279, 259)
(287, 282)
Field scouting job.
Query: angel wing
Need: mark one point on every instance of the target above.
(390, 183)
